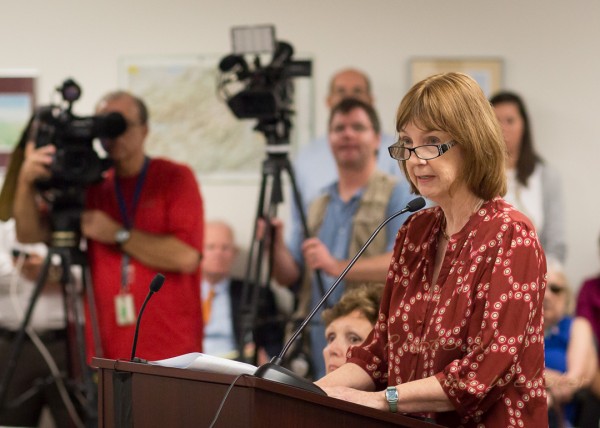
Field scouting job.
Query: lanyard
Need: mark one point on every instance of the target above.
(128, 216)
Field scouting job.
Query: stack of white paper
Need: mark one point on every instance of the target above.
(206, 363)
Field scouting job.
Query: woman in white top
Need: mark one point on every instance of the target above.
(534, 188)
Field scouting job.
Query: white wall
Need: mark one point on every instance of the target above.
(550, 49)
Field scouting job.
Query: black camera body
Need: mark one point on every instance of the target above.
(268, 91)
(76, 162)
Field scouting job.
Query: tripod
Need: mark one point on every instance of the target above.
(64, 249)
(270, 196)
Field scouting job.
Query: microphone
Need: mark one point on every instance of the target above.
(273, 370)
(155, 285)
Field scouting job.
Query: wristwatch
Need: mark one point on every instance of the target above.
(122, 236)
(391, 395)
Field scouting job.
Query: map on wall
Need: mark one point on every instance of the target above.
(190, 123)
(487, 72)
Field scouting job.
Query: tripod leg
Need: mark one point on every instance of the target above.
(253, 275)
(77, 348)
(299, 205)
(17, 345)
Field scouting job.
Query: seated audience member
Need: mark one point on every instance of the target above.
(588, 303)
(534, 187)
(349, 322)
(588, 307)
(569, 351)
(32, 380)
(222, 300)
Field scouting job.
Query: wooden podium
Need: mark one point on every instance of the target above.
(168, 397)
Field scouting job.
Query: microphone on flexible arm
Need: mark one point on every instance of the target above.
(155, 285)
(273, 370)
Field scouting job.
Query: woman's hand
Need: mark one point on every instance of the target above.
(561, 386)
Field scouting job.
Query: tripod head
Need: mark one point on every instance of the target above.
(65, 220)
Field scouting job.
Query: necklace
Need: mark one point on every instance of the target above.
(443, 225)
(443, 229)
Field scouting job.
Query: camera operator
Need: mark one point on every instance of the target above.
(145, 217)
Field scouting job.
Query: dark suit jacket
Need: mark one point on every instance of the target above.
(269, 325)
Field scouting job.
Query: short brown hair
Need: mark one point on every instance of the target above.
(454, 103)
(365, 299)
(349, 104)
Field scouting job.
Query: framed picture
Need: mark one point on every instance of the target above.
(190, 120)
(17, 101)
(488, 72)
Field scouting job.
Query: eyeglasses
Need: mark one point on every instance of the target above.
(555, 288)
(356, 127)
(425, 152)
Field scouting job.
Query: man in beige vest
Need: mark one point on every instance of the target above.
(342, 218)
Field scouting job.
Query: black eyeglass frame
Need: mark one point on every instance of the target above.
(442, 148)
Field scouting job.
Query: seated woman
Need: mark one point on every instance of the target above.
(349, 322)
(570, 352)
(588, 307)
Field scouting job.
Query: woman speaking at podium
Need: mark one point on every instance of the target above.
(459, 337)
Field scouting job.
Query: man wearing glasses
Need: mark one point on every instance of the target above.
(145, 217)
(341, 220)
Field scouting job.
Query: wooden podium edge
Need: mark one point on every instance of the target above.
(249, 381)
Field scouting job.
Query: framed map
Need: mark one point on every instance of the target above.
(488, 72)
(191, 124)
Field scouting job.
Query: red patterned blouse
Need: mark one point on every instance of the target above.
(478, 330)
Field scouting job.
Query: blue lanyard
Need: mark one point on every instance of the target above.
(128, 215)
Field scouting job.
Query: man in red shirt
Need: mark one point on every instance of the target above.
(145, 217)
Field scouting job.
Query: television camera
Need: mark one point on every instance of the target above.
(263, 92)
(76, 163)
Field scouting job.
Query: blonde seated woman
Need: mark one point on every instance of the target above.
(570, 353)
(349, 322)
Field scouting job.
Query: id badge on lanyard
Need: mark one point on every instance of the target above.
(124, 303)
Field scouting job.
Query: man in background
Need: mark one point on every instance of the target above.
(144, 218)
(315, 167)
(222, 300)
(341, 220)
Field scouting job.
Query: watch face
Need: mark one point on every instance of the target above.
(391, 394)
(122, 236)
